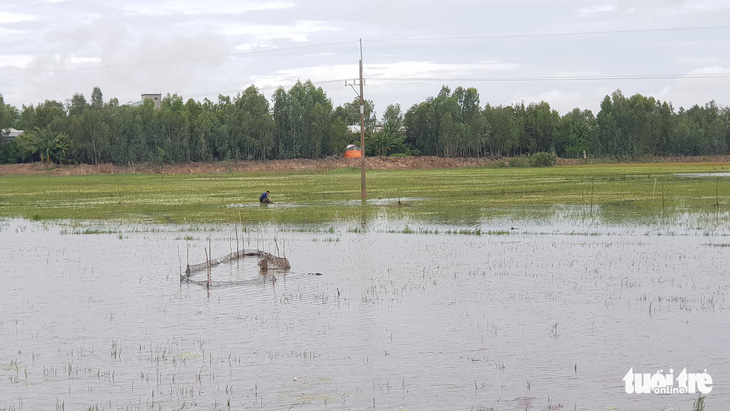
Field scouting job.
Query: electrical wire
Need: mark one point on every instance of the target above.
(380, 40)
(556, 78)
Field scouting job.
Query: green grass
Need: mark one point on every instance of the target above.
(443, 195)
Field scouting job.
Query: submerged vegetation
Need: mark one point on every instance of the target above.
(437, 195)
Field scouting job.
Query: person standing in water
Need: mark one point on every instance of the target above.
(264, 199)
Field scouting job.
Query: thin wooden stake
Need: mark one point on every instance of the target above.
(593, 183)
(523, 197)
(207, 262)
(662, 197)
(179, 259)
(717, 198)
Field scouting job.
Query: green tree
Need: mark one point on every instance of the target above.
(8, 115)
(91, 137)
(350, 113)
(576, 134)
(541, 124)
(97, 99)
(9, 151)
(50, 113)
(45, 143)
(77, 105)
(389, 138)
(612, 120)
(254, 124)
(422, 127)
(303, 118)
(503, 137)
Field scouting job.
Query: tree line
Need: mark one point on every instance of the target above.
(303, 123)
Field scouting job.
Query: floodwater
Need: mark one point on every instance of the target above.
(518, 315)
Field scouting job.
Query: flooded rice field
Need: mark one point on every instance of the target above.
(547, 314)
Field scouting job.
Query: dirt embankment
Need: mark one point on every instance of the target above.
(383, 163)
(332, 163)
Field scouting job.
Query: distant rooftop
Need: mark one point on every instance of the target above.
(156, 99)
(10, 134)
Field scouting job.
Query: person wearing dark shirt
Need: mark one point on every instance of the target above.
(264, 199)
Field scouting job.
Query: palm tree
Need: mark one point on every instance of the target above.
(386, 142)
(46, 143)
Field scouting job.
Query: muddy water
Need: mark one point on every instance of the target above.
(538, 316)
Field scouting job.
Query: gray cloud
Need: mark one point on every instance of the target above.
(542, 50)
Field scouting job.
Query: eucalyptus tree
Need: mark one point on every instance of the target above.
(611, 125)
(254, 125)
(202, 122)
(541, 124)
(172, 141)
(422, 127)
(50, 113)
(303, 118)
(97, 98)
(77, 105)
(577, 133)
(350, 113)
(8, 115)
(91, 137)
(701, 130)
(503, 137)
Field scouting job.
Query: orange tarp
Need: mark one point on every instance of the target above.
(353, 154)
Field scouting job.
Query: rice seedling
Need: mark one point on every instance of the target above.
(315, 197)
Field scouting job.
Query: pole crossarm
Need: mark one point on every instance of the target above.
(360, 82)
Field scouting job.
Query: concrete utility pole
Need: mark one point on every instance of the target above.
(362, 132)
(362, 126)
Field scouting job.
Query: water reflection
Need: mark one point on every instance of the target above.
(510, 312)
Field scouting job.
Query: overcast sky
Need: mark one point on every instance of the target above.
(569, 53)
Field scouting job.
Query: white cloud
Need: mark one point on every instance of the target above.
(18, 61)
(561, 101)
(84, 60)
(407, 70)
(595, 9)
(206, 8)
(9, 18)
(695, 89)
(300, 31)
(171, 46)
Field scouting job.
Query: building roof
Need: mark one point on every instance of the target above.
(10, 134)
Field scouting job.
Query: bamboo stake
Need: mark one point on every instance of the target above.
(207, 262)
(523, 197)
(179, 259)
(662, 197)
(717, 198)
(593, 183)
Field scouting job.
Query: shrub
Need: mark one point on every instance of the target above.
(542, 160)
(520, 161)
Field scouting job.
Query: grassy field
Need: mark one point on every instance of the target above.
(441, 195)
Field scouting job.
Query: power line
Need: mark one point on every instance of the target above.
(487, 80)
(236, 91)
(556, 78)
(179, 60)
(286, 49)
(482, 79)
(558, 34)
